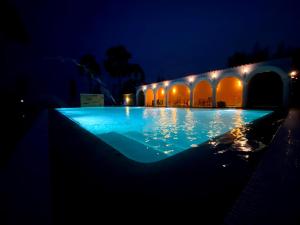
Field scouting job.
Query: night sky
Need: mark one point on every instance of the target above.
(167, 38)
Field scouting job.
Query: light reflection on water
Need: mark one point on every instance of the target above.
(168, 130)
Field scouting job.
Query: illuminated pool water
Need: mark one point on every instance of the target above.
(152, 134)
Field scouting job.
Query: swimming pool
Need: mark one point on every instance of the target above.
(152, 134)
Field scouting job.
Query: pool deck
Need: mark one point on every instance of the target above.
(272, 195)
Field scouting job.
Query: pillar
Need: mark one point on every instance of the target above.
(154, 92)
(191, 96)
(214, 94)
(167, 96)
(245, 94)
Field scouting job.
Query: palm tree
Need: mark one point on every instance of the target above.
(117, 66)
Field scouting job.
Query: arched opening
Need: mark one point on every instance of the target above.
(160, 97)
(265, 90)
(229, 92)
(203, 94)
(141, 99)
(149, 98)
(179, 96)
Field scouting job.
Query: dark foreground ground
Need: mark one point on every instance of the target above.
(273, 194)
(29, 195)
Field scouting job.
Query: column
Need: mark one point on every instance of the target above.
(167, 96)
(214, 95)
(245, 94)
(154, 91)
(191, 96)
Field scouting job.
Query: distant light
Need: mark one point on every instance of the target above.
(174, 90)
(162, 91)
(244, 70)
(166, 83)
(127, 99)
(191, 79)
(214, 75)
(153, 86)
(22, 100)
(144, 88)
(293, 74)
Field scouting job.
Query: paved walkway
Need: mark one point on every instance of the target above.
(272, 196)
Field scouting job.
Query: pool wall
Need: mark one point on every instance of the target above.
(91, 179)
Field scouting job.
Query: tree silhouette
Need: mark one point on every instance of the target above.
(238, 58)
(117, 61)
(11, 25)
(259, 53)
(128, 75)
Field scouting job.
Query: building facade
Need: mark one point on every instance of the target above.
(264, 84)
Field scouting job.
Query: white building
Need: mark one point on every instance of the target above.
(264, 84)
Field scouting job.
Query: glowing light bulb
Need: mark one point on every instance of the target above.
(214, 75)
(166, 83)
(127, 100)
(293, 74)
(174, 90)
(162, 91)
(191, 79)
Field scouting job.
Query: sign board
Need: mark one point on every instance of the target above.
(89, 100)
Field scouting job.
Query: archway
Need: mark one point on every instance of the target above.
(160, 97)
(179, 96)
(265, 90)
(141, 99)
(149, 98)
(203, 94)
(229, 92)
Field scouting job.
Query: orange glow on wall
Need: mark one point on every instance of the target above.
(160, 97)
(149, 98)
(239, 83)
(179, 96)
(230, 91)
(203, 94)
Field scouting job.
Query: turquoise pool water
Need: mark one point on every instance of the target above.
(152, 134)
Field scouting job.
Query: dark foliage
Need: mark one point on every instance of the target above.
(117, 61)
(128, 75)
(89, 66)
(11, 25)
(257, 54)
